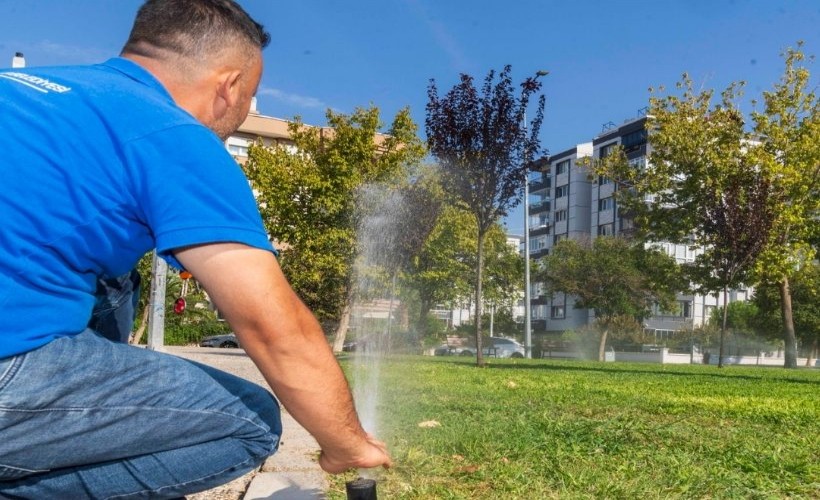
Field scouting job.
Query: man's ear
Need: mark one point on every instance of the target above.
(227, 89)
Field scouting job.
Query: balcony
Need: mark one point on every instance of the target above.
(540, 183)
(541, 252)
(541, 206)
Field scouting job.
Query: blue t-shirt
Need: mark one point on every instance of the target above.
(98, 165)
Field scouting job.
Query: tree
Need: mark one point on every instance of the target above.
(613, 277)
(481, 142)
(504, 276)
(805, 294)
(439, 273)
(749, 200)
(789, 130)
(397, 223)
(705, 187)
(308, 199)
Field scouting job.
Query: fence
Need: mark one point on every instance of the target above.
(664, 357)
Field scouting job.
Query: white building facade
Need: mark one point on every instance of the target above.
(580, 205)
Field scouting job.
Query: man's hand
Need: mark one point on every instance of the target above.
(373, 454)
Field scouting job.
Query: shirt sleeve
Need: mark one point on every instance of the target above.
(190, 191)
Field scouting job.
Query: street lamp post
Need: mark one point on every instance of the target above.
(527, 305)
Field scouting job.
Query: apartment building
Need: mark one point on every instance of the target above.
(560, 209)
(568, 201)
(271, 131)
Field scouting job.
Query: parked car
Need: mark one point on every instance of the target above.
(501, 348)
(226, 340)
(446, 350)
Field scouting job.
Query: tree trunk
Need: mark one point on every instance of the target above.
(723, 325)
(344, 324)
(137, 337)
(813, 351)
(479, 355)
(790, 342)
(602, 345)
(424, 310)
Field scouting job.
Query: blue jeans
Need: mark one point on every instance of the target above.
(84, 417)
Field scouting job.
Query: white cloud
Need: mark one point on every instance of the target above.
(293, 99)
(72, 54)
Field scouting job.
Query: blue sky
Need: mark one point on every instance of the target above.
(602, 55)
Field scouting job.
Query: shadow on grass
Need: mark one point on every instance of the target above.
(724, 373)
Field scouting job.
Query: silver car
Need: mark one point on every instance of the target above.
(501, 347)
(226, 340)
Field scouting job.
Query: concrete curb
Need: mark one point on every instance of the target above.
(293, 472)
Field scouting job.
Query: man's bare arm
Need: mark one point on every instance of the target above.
(286, 342)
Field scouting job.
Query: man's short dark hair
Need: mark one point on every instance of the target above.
(193, 28)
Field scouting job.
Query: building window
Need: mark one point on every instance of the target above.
(560, 215)
(562, 167)
(562, 191)
(605, 204)
(602, 180)
(685, 308)
(606, 230)
(540, 221)
(607, 150)
(557, 312)
(237, 150)
(633, 141)
(538, 244)
(708, 312)
(627, 224)
(661, 334)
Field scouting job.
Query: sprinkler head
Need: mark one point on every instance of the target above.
(361, 489)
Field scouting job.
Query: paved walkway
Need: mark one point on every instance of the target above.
(292, 473)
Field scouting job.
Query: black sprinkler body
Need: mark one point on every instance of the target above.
(361, 489)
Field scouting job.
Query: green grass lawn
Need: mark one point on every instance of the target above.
(535, 429)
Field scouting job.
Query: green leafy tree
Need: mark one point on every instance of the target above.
(308, 199)
(439, 273)
(805, 294)
(504, 276)
(740, 316)
(481, 141)
(705, 187)
(613, 277)
(789, 130)
(399, 221)
(748, 199)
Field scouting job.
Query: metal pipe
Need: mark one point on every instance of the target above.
(361, 489)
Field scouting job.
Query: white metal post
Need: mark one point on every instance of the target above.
(156, 321)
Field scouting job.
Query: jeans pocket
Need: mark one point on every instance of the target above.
(9, 368)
